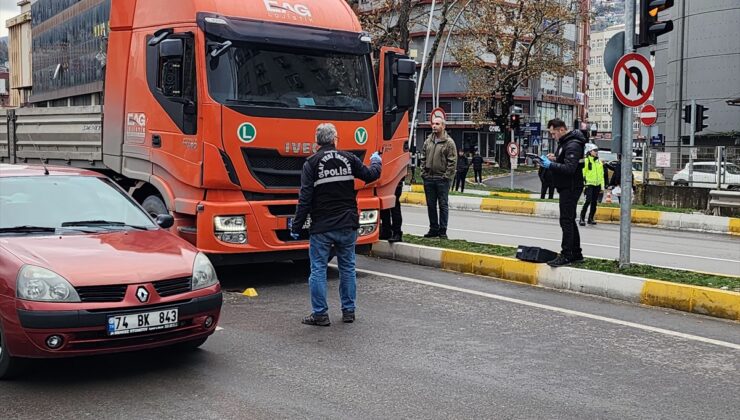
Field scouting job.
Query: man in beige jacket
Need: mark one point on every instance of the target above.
(438, 163)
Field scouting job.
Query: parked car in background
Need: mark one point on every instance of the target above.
(705, 175)
(654, 177)
(85, 270)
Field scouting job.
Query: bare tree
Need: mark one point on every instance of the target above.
(505, 44)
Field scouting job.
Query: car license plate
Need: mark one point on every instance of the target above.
(306, 224)
(142, 322)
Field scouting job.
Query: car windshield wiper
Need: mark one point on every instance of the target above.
(27, 229)
(334, 107)
(258, 102)
(101, 223)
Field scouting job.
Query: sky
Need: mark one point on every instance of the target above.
(8, 9)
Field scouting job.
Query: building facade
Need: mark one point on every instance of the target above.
(19, 52)
(600, 90)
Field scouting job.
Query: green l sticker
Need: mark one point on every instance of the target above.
(246, 132)
(361, 136)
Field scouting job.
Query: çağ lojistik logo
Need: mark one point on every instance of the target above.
(283, 8)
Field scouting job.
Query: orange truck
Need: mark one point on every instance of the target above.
(209, 109)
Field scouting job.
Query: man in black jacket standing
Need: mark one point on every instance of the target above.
(478, 167)
(567, 168)
(328, 194)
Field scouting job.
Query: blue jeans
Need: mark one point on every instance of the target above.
(437, 191)
(319, 250)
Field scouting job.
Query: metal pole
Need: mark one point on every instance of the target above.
(719, 167)
(625, 203)
(412, 135)
(512, 160)
(692, 149)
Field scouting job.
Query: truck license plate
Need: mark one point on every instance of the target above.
(142, 322)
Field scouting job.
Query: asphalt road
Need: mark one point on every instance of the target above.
(427, 344)
(527, 181)
(715, 253)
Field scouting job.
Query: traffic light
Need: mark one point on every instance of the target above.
(687, 114)
(650, 27)
(515, 120)
(700, 117)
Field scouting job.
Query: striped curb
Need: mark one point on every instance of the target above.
(682, 297)
(668, 220)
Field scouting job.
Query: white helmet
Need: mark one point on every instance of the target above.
(590, 147)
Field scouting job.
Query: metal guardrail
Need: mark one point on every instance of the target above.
(719, 199)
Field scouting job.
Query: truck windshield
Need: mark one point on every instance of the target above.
(268, 76)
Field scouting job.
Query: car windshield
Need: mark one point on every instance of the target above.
(277, 77)
(34, 203)
(732, 169)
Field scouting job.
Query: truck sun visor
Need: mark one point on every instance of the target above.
(260, 32)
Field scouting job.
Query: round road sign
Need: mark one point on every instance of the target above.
(512, 149)
(633, 80)
(437, 113)
(648, 115)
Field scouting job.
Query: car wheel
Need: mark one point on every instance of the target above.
(9, 366)
(680, 184)
(734, 188)
(154, 206)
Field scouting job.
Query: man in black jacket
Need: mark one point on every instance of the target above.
(478, 167)
(328, 194)
(567, 168)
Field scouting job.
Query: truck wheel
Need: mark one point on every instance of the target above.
(9, 366)
(154, 206)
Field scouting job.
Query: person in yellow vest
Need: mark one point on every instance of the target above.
(593, 177)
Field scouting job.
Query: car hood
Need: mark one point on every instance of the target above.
(125, 257)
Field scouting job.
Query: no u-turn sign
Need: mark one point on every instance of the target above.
(633, 80)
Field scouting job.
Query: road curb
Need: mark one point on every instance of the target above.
(667, 220)
(687, 298)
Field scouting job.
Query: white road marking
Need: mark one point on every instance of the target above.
(534, 238)
(556, 309)
(219, 329)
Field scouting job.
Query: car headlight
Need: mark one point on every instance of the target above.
(204, 274)
(368, 216)
(43, 285)
(229, 223)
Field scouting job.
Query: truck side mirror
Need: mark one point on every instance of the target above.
(170, 67)
(405, 85)
(171, 48)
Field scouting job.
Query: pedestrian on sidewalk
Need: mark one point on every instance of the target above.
(477, 163)
(391, 219)
(567, 170)
(548, 186)
(593, 175)
(438, 166)
(328, 194)
(462, 171)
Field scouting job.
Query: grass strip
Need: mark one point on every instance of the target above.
(595, 264)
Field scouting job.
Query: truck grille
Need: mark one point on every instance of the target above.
(102, 293)
(275, 171)
(173, 286)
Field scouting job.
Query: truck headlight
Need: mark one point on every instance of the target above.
(231, 229)
(204, 274)
(368, 217)
(43, 285)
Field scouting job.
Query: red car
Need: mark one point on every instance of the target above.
(85, 270)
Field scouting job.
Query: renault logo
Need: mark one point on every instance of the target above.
(142, 294)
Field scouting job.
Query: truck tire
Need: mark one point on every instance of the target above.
(154, 206)
(9, 365)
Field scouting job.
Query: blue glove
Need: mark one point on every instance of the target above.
(545, 161)
(294, 235)
(375, 157)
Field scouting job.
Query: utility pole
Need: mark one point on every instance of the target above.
(692, 137)
(625, 203)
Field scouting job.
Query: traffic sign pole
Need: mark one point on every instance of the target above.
(625, 202)
(511, 162)
(691, 142)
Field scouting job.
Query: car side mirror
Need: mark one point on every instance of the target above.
(165, 221)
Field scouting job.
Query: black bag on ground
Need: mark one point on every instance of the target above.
(535, 254)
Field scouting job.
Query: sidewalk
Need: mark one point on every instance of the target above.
(682, 297)
(518, 203)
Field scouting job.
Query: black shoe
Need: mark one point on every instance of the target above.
(591, 222)
(578, 258)
(443, 236)
(318, 320)
(560, 261)
(348, 316)
(432, 234)
(581, 223)
(396, 237)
